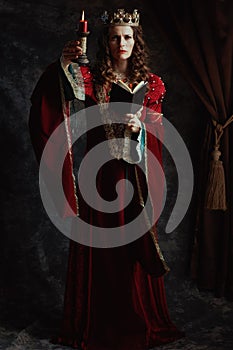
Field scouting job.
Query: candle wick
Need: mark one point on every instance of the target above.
(83, 16)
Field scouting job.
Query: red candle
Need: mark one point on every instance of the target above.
(83, 24)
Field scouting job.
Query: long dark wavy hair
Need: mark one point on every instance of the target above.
(137, 63)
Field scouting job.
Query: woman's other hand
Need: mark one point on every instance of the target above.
(133, 123)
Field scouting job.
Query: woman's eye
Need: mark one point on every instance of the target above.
(117, 37)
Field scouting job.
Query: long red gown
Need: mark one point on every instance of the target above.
(115, 297)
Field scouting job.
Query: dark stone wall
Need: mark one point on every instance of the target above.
(34, 254)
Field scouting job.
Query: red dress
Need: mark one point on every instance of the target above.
(115, 297)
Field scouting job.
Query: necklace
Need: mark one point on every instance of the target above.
(120, 76)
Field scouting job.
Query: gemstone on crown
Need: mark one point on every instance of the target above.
(121, 17)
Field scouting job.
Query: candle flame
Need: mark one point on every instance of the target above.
(83, 15)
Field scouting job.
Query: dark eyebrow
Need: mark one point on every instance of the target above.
(115, 34)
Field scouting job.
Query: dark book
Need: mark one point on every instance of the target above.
(134, 98)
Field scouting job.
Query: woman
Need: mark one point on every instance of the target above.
(115, 297)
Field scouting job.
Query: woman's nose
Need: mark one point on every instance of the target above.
(122, 41)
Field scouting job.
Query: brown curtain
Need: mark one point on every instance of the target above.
(200, 34)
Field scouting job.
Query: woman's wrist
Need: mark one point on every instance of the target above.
(64, 63)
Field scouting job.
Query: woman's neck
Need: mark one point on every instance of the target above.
(120, 67)
(120, 70)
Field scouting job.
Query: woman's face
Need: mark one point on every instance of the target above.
(121, 42)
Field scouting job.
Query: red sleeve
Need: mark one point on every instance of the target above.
(152, 119)
(88, 83)
(46, 114)
(46, 109)
(155, 94)
(152, 115)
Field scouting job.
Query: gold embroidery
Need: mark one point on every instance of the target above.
(66, 118)
(119, 138)
(76, 79)
(147, 220)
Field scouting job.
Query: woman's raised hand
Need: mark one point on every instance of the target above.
(71, 52)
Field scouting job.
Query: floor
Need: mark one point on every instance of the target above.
(207, 322)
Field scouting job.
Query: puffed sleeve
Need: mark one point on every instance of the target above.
(152, 116)
(153, 100)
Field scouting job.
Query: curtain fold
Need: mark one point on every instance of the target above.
(200, 35)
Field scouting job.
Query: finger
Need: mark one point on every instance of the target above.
(134, 129)
(72, 47)
(76, 49)
(128, 116)
(134, 122)
(71, 54)
(72, 43)
(75, 42)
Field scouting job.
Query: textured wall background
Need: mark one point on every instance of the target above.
(33, 253)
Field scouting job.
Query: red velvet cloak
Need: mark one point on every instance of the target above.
(115, 298)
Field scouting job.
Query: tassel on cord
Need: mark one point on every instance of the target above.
(216, 188)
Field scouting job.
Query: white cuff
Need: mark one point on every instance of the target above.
(140, 146)
(127, 154)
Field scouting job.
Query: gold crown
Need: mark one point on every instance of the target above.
(121, 18)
